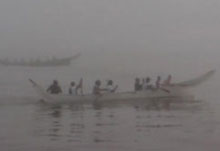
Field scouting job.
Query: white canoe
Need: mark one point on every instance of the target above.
(175, 92)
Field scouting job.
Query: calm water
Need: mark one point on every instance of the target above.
(27, 125)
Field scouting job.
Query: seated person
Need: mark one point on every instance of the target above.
(73, 88)
(54, 88)
(158, 85)
(147, 85)
(97, 90)
(110, 87)
(137, 85)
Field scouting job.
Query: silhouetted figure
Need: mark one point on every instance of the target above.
(97, 88)
(157, 84)
(137, 85)
(54, 88)
(73, 88)
(110, 87)
(147, 84)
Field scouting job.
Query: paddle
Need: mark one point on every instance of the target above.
(116, 87)
(40, 90)
(163, 89)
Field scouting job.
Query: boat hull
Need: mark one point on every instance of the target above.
(143, 96)
(37, 63)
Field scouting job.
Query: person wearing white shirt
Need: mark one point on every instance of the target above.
(147, 85)
(110, 87)
(72, 88)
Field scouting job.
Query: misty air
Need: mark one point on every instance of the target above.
(117, 75)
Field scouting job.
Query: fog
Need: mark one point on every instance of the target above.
(54, 27)
(133, 36)
(118, 40)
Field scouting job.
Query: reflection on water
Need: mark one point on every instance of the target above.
(100, 126)
(114, 125)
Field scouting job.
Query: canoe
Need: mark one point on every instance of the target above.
(38, 63)
(172, 93)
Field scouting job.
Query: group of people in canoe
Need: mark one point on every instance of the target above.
(139, 85)
(76, 89)
(145, 84)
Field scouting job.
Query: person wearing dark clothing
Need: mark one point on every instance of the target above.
(147, 85)
(54, 88)
(97, 90)
(158, 82)
(137, 85)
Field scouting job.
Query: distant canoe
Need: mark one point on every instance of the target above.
(38, 63)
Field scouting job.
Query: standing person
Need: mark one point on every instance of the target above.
(72, 88)
(110, 87)
(158, 82)
(54, 88)
(80, 86)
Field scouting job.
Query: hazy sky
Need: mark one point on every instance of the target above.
(62, 27)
